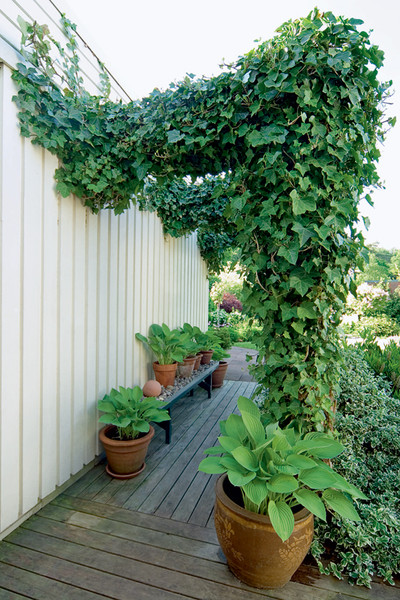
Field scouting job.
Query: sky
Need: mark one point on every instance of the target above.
(150, 44)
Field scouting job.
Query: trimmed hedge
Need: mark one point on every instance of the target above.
(368, 424)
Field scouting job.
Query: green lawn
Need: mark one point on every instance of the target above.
(247, 345)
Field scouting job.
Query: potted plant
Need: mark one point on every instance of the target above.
(185, 368)
(195, 334)
(127, 434)
(168, 346)
(219, 374)
(274, 481)
(208, 342)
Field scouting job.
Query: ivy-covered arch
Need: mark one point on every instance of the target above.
(290, 132)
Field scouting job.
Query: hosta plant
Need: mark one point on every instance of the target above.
(279, 470)
(131, 412)
(169, 345)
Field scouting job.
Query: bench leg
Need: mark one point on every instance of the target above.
(207, 384)
(168, 428)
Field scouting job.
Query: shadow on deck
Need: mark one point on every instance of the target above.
(152, 536)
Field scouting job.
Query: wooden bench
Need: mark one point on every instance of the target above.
(203, 379)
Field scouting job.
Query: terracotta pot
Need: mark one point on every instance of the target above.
(206, 357)
(198, 361)
(218, 375)
(125, 457)
(165, 374)
(254, 552)
(185, 368)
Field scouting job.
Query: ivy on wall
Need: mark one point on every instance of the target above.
(288, 137)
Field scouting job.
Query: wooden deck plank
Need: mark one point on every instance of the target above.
(130, 518)
(205, 505)
(131, 570)
(152, 537)
(37, 587)
(82, 577)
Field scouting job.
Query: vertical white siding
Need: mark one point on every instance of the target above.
(75, 287)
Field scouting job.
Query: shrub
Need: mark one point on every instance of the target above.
(215, 317)
(371, 300)
(369, 427)
(223, 335)
(230, 303)
(384, 361)
(392, 308)
(379, 326)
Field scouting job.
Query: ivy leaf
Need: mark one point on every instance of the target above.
(307, 311)
(174, 136)
(63, 188)
(301, 284)
(301, 204)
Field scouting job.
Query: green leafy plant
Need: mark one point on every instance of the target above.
(131, 412)
(379, 326)
(278, 469)
(384, 361)
(368, 424)
(195, 338)
(223, 335)
(169, 345)
(220, 354)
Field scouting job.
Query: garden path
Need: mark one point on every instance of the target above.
(151, 536)
(238, 366)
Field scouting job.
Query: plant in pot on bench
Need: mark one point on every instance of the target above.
(169, 347)
(128, 432)
(274, 481)
(219, 374)
(194, 345)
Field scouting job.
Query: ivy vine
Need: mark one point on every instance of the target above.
(291, 131)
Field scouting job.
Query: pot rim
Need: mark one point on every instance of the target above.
(117, 443)
(222, 496)
(162, 366)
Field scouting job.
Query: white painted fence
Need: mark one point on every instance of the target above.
(75, 287)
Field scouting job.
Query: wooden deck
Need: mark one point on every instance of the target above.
(149, 537)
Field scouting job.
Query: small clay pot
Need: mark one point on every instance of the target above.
(206, 357)
(218, 375)
(125, 457)
(165, 374)
(185, 368)
(255, 553)
(197, 362)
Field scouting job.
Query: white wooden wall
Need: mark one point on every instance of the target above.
(75, 287)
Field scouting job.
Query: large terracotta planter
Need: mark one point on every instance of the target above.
(206, 357)
(125, 457)
(165, 374)
(197, 361)
(254, 552)
(185, 368)
(219, 374)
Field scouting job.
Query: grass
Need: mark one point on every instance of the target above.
(247, 345)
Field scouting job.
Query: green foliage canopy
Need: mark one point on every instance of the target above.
(294, 125)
